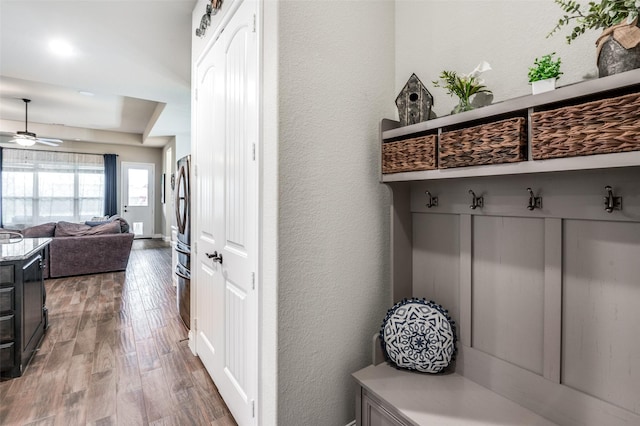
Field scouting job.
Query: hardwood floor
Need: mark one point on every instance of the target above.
(115, 353)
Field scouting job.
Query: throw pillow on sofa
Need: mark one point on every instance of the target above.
(124, 225)
(68, 229)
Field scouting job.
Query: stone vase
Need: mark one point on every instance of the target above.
(614, 58)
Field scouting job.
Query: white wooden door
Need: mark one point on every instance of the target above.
(208, 154)
(138, 198)
(227, 217)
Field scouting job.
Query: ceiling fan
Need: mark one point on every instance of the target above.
(27, 138)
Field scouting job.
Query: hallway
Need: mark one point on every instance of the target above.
(115, 353)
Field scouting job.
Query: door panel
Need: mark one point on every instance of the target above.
(236, 138)
(208, 296)
(210, 319)
(236, 348)
(239, 250)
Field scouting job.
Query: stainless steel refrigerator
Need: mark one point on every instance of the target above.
(182, 193)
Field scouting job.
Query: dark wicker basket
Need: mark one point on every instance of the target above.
(598, 127)
(409, 155)
(503, 141)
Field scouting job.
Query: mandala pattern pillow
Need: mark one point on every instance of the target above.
(418, 335)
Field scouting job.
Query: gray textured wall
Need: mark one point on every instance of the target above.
(436, 35)
(335, 83)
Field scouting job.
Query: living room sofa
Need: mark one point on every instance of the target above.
(78, 249)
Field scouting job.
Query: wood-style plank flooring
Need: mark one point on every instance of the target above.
(115, 354)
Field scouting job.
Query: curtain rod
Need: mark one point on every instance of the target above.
(61, 152)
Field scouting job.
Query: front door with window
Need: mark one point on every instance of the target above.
(138, 198)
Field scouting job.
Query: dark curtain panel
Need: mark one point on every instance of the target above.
(110, 185)
(1, 225)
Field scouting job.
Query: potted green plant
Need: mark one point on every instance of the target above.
(464, 86)
(619, 44)
(544, 73)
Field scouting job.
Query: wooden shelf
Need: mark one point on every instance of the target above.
(603, 161)
(598, 88)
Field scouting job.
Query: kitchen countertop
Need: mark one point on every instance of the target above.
(15, 249)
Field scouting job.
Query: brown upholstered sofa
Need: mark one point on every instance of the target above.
(78, 249)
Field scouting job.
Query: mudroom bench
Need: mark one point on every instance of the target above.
(391, 397)
(522, 219)
(387, 396)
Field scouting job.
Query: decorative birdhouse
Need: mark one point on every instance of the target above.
(414, 102)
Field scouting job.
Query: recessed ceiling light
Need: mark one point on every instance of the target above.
(61, 47)
(86, 93)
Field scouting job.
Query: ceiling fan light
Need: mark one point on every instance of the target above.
(24, 141)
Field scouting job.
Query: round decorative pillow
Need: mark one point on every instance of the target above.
(418, 335)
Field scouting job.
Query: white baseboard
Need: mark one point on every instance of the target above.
(192, 343)
(353, 423)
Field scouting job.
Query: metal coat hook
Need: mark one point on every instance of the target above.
(431, 201)
(476, 201)
(534, 202)
(611, 202)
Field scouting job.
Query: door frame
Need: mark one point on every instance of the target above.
(152, 198)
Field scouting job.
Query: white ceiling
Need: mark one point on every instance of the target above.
(134, 56)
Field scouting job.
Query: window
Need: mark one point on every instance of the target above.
(138, 190)
(45, 186)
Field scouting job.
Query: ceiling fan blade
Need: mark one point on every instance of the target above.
(12, 134)
(50, 142)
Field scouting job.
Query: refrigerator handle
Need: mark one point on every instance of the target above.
(181, 217)
(179, 250)
(181, 275)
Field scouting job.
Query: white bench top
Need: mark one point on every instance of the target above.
(443, 400)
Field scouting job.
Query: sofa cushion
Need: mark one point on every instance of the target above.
(68, 229)
(44, 230)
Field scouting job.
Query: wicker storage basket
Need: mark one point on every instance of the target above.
(503, 141)
(598, 127)
(409, 155)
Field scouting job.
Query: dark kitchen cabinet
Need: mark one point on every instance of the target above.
(23, 313)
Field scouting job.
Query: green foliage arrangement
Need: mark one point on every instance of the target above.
(463, 86)
(545, 67)
(598, 15)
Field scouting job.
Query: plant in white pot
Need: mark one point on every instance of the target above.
(544, 73)
(618, 47)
